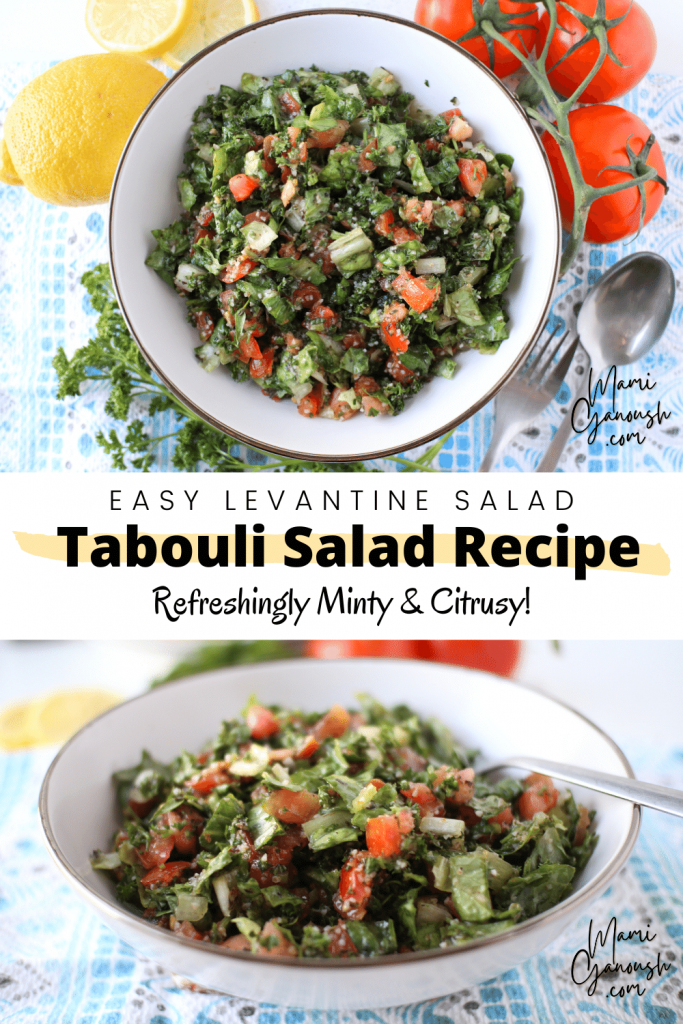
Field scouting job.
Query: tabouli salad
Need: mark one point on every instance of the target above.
(338, 245)
(346, 834)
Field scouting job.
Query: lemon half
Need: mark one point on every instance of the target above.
(209, 21)
(143, 27)
(52, 718)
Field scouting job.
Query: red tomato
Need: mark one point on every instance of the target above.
(262, 723)
(307, 748)
(164, 874)
(334, 723)
(237, 268)
(404, 235)
(355, 887)
(330, 137)
(453, 18)
(503, 818)
(540, 795)
(186, 823)
(384, 222)
(261, 215)
(159, 850)
(364, 161)
(282, 945)
(430, 805)
(415, 291)
(499, 656)
(600, 135)
(340, 941)
(242, 185)
(292, 808)
(383, 836)
(472, 175)
(465, 791)
(392, 334)
(262, 367)
(204, 324)
(310, 404)
(632, 41)
(208, 778)
(306, 295)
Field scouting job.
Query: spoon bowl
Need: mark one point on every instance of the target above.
(627, 311)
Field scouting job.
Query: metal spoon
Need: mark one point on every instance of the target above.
(646, 793)
(621, 318)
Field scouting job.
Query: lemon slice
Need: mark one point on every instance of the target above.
(144, 27)
(8, 174)
(209, 20)
(52, 718)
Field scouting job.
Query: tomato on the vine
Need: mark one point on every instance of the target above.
(632, 41)
(454, 18)
(600, 135)
(499, 656)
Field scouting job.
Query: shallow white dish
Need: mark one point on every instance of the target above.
(79, 814)
(144, 197)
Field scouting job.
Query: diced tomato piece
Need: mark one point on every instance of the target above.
(384, 222)
(581, 825)
(383, 836)
(450, 114)
(141, 807)
(364, 161)
(503, 818)
(306, 295)
(261, 215)
(278, 854)
(289, 103)
(237, 942)
(205, 781)
(202, 233)
(415, 291)
(377, 783)
(164, 874)
(205, 216)
(268, 162)
(468, 815)
(330, 137)
(261, 722)
(274, 942)
(340, 407)
(237, 268)
(353, 339)
(472, 175)
(459, 129)
(404, 235)
(433, 144)
(311, 403)
(374, 406)
(409, 758)
(242, 185)
(340, 943)
(430, 805)
(334, 723)
(159, 850)
(292, 808)
(355, 887)
(540, 795)
(417, 212)
(307, 748)
(188, 930)
(204, 324)
(458, 205)
(406, 822)
(186, 823)
(365, 386)
(262, 367)
(322, 312)
(249, 348)
(465, 779)
(390, 331)
(398, 370)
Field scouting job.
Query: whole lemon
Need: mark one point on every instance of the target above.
(66, 129)
(8, 172)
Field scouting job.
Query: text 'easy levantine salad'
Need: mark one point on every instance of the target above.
(339, 246)
(346, 834)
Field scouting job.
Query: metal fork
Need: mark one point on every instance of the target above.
(528, 393)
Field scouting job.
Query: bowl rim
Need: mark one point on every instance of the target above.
(574, 900)
(471, 409)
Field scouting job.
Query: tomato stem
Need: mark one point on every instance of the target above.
(584, 194)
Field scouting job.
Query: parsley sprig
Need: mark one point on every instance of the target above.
(113, 358)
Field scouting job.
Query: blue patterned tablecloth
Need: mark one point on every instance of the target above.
(60, 965)
(45, 249)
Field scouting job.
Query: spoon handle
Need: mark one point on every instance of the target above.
(661, 798)
(552, 456)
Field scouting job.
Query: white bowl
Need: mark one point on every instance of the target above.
(144, 196)
(79, 814)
